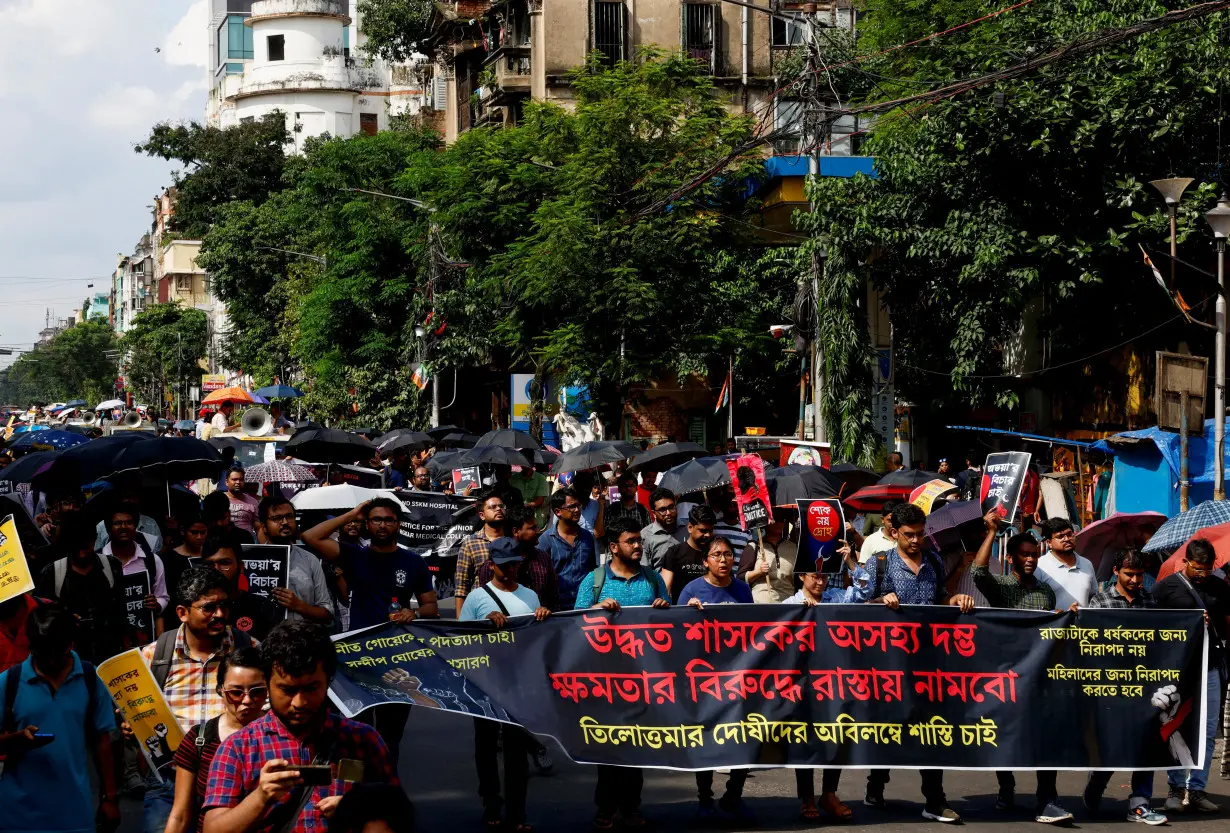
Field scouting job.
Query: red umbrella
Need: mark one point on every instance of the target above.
(1120, 530)
(1218, 536)
(873, 498)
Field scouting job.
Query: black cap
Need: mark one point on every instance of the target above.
(503, 551)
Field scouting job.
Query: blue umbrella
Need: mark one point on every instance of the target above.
(1180, 528)
(57, 440)
(279, 392)
(257, 399)
(75, 403)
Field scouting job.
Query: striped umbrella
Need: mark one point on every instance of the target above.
(1180, 528)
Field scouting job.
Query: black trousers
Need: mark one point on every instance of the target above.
(389, 720)
(516, 767)
(805, 781)
(1046, 793)
(734, 784)
(619, 789)
(932, 784)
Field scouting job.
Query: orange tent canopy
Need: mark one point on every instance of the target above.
(1218, 536)
(227, 395)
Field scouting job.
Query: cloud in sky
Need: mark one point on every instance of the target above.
(80, 83)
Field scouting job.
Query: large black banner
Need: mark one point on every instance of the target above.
(434, 525)
(832, 685)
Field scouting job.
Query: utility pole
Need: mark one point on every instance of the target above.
(814, 128)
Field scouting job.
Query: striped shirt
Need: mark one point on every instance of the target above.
(191, 683)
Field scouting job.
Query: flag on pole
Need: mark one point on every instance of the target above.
(1174, 294)
(421, 376)
(724, 397)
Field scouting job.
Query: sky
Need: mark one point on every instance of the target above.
(81, 82)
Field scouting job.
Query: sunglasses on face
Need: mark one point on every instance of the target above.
(256, 693)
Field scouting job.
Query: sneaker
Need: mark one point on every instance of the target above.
(1198, 800)
(542, 761)
(1052, 813)
(1146, 814)
(875, 798)
(1175, 800)
(737, 810)
(1092, 798)
(1005, 801)
(942, 813)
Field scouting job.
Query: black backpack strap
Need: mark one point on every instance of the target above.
(495, 599)
(207, 733)
(243, 639)
(147, 556)
(881, 568)
(164, 654)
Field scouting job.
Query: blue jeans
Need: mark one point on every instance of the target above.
(159, 798)
(1142, 785)
(1198, 779)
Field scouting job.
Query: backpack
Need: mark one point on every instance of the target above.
(600, 579)
(164, 653)
(147, 556)
(60, 570)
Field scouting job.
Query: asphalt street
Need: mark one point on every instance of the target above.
(437, 769)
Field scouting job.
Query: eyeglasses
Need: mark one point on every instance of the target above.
(277, 519)
(210, 608)
(722, 556)
(383, 521)
(1063, 536)
(491, 507)
(256, 693)
(570, 507)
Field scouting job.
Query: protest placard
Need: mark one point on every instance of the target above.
(822, 523)
(1003, 477)
(434, 525)
(138, 697)
(266, 566)
(751, 493)
(15, 577)
(140, 618)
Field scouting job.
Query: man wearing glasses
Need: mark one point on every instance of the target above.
(1071, 576)
(185, 664)
(573, 550)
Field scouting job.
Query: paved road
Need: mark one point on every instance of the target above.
(438, 772)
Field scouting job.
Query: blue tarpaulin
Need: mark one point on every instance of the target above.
(1146, 474)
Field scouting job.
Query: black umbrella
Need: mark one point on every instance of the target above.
(855, 477)
(490, 455)
(407, 441)
(367, 433)
(666, 456)
(790, 484)
(957, 522)
(86, 463)
(83, 430)
(443, 431)
(696, 476)
(173, 459)
(443, 461)
(542, 457)
(23, 469)
(329, 445)
(458, 439)
(911, 478)
(508, 438)
(593, 454)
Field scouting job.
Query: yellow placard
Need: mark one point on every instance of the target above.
(925, 496)
(136, 693)
(15, 577)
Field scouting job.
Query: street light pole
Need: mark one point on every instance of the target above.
(1219, 220)
(1172, 191)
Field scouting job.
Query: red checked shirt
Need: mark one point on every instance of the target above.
(236, 769)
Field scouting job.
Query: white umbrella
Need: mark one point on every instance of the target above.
(109, 404)
(337, 497)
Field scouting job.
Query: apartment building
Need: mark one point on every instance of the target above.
(300, 58)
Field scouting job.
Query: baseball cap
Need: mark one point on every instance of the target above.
(503, 551)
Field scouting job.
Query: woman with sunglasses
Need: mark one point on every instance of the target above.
(244, 691)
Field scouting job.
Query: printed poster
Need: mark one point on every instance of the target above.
(265, 566)
(1003, 477)
(823, 523)
(136, 693)
(140, 618)
(15, 577)
(751, 493)
(930, 496)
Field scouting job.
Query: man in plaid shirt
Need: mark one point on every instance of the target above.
(1022, 591)
(536, 571)
(254, 786)
(474, 549)
(1128, 592)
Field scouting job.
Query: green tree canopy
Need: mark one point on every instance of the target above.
(394, 27)
(78, 363)
(163, 349)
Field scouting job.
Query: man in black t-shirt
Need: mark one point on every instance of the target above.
(686, 560)
(89, 586)
(1192, 588)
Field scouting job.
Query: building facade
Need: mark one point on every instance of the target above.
(299, 58)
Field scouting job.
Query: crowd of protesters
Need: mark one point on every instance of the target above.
(252, 700)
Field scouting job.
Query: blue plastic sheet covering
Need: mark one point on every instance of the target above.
(1200, 453)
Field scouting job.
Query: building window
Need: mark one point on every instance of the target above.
(700, 33)
(247, 120)
(609, 28)
(788, 123)
(235, 41)
(787, 32)
(368, 124)
(277, 47)
(183, 283)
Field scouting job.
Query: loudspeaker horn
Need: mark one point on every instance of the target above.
(89, 418)
(131, 419)
(256, 422)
